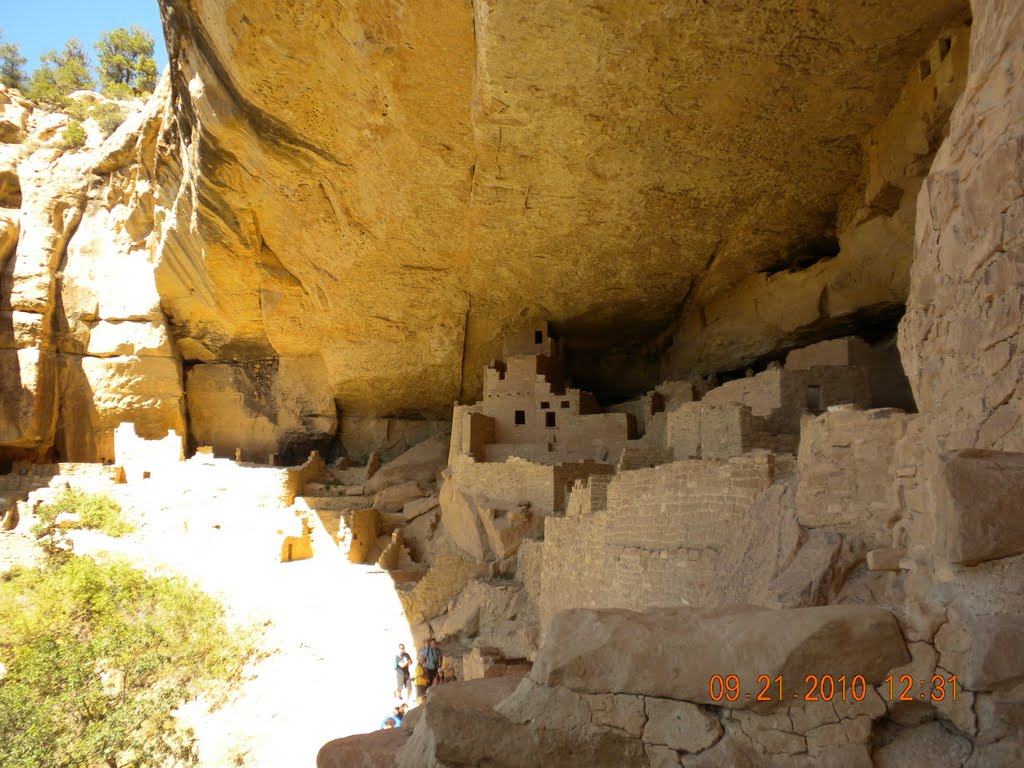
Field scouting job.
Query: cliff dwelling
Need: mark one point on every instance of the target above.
(660, 360)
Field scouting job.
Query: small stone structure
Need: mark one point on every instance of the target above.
(141, 457)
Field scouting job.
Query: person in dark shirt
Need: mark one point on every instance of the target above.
(403, 678)
(431, 658)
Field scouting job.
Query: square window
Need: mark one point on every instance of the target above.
(549, 419)
(545, 405)
(565, 403)
(538, 337)
(520, 417)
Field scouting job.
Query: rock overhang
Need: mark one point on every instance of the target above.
(391, 189)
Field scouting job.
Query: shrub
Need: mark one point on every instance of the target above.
(74, 135)
(76, 110)
(95, 511)
(98, 658)
(109, 117)
(119, 91)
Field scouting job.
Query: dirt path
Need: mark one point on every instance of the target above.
(335, 627)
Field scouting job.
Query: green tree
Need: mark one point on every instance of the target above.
(126, 59)
(12, 64)
(61, 73)
(98, 657)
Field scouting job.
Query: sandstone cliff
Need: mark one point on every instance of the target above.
(346, 208)
(84, 343)
(375, 192)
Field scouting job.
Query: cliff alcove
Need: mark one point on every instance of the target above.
(665, 307)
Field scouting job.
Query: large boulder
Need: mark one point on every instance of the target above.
(367, 750)
(461, 517)
(420, 463)
(460, 727)
(673, 652)
(394, 498)
(977, 497)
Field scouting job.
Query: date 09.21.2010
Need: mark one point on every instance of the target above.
(832, 688)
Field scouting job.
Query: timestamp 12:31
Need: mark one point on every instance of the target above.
(829, 688)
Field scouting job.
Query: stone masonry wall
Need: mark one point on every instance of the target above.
(657, 542)
(844, 468)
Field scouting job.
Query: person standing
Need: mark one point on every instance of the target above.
(403, 662)
(431, 658)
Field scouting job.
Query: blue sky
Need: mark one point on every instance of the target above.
(43, 25)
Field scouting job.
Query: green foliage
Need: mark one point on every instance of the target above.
(95, 511)
(119, 91)
(60, 74)
(76, 110)
(12, 64)
(74, 136)
(108, 116)
(126, 59)
(99, 656)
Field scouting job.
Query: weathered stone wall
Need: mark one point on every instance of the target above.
(844, 468)
(361, 435)
(657, 542)
(962, 338)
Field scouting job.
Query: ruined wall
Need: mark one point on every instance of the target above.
(846, 479)
(544, 486)
(780, 396)
(656, 542)
(514, 479)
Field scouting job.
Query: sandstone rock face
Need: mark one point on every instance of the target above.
(263, 407)
(417, 181)
(460, 515)
(423, 462)
(866, 270)
(84, 344)
(961, 338)
(461, 727)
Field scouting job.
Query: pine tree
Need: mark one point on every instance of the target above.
(12, 64)
(61, 74)
(126, 62)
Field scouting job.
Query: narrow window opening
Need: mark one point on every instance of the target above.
(944, 45)
(520, 417)
(814, 399)
(549, 419)
(538, 337)
(545, 405)
(565, 403)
